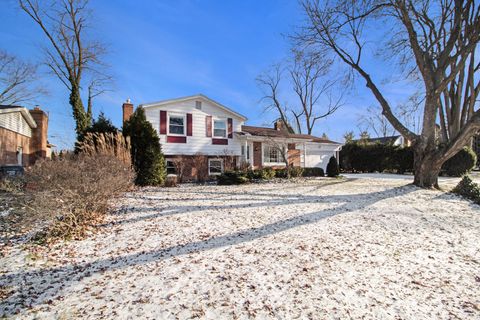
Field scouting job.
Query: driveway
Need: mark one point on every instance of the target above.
(447, 182)
(320, 248)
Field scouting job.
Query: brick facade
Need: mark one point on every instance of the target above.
(193, 168)
(32, 148)
(9, 143)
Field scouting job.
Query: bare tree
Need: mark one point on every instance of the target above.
(373, 119)
(308, 80)
(281, 148)
(70, 54)
(435, 42)
(269, 81)
(308, 75)
(18, 80)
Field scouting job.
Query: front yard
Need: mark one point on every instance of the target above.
(317, 249)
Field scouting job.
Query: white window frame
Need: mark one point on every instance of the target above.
(221, 165)
(177, 115)
(226, 128)
(281, 163)
(166, 164)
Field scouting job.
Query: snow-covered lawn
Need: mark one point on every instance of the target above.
(318, 249)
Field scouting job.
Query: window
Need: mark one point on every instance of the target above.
(176, 125)
(198, 105)
(215, 166)
(219, 128)
(170, 165)
(272, 154)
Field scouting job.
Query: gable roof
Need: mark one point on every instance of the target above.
(273, 133)
(24, 111)
(193, 97)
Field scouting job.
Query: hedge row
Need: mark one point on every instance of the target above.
(356, 157)
(241, 177)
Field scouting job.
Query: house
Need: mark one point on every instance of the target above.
(397, 140)
(23, 135)
(198, 131)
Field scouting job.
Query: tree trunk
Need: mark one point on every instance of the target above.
(427, 167)
(82, 119)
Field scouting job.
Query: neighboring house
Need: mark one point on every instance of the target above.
(196, 127)
(391, 140)
(23, 135)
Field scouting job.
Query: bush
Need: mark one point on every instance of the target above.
(313, 172)
(332, 167)
(296, 172)
(232, 177)
(69, 194)
(101, 125)
(468, 189)
(402, 160)
(146, 152)
(461, 163)
(267, 173)
(111, 144)
(281, 173)
(356, 157)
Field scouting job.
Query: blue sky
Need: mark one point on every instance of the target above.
(167, 49)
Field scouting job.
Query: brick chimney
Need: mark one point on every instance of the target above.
(279, 125)
(127, 108)
(38, 142)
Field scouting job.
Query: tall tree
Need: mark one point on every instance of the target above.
(435, 43)
(70, 54)
(308, 80)
(373, 119)
(310, 84)
(18, 80)
(270, 81)
(348, 136)
(146, 151)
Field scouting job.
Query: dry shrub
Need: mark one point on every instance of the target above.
(72, 193)
(200, 163)
(112, 144)
(182, 164)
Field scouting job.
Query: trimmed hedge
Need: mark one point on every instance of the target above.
(356, 157)
(233, 177)
(468, 189)
(242, 177)
(313, 172)
(461, 163)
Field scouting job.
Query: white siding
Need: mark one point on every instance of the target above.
(14, 121)
(198, 142)
(318, 154)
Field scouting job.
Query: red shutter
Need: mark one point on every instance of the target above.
(189, 124)
(208, 126)
(220, 141)
(176, 139)
(230, 127)
(163, 122)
